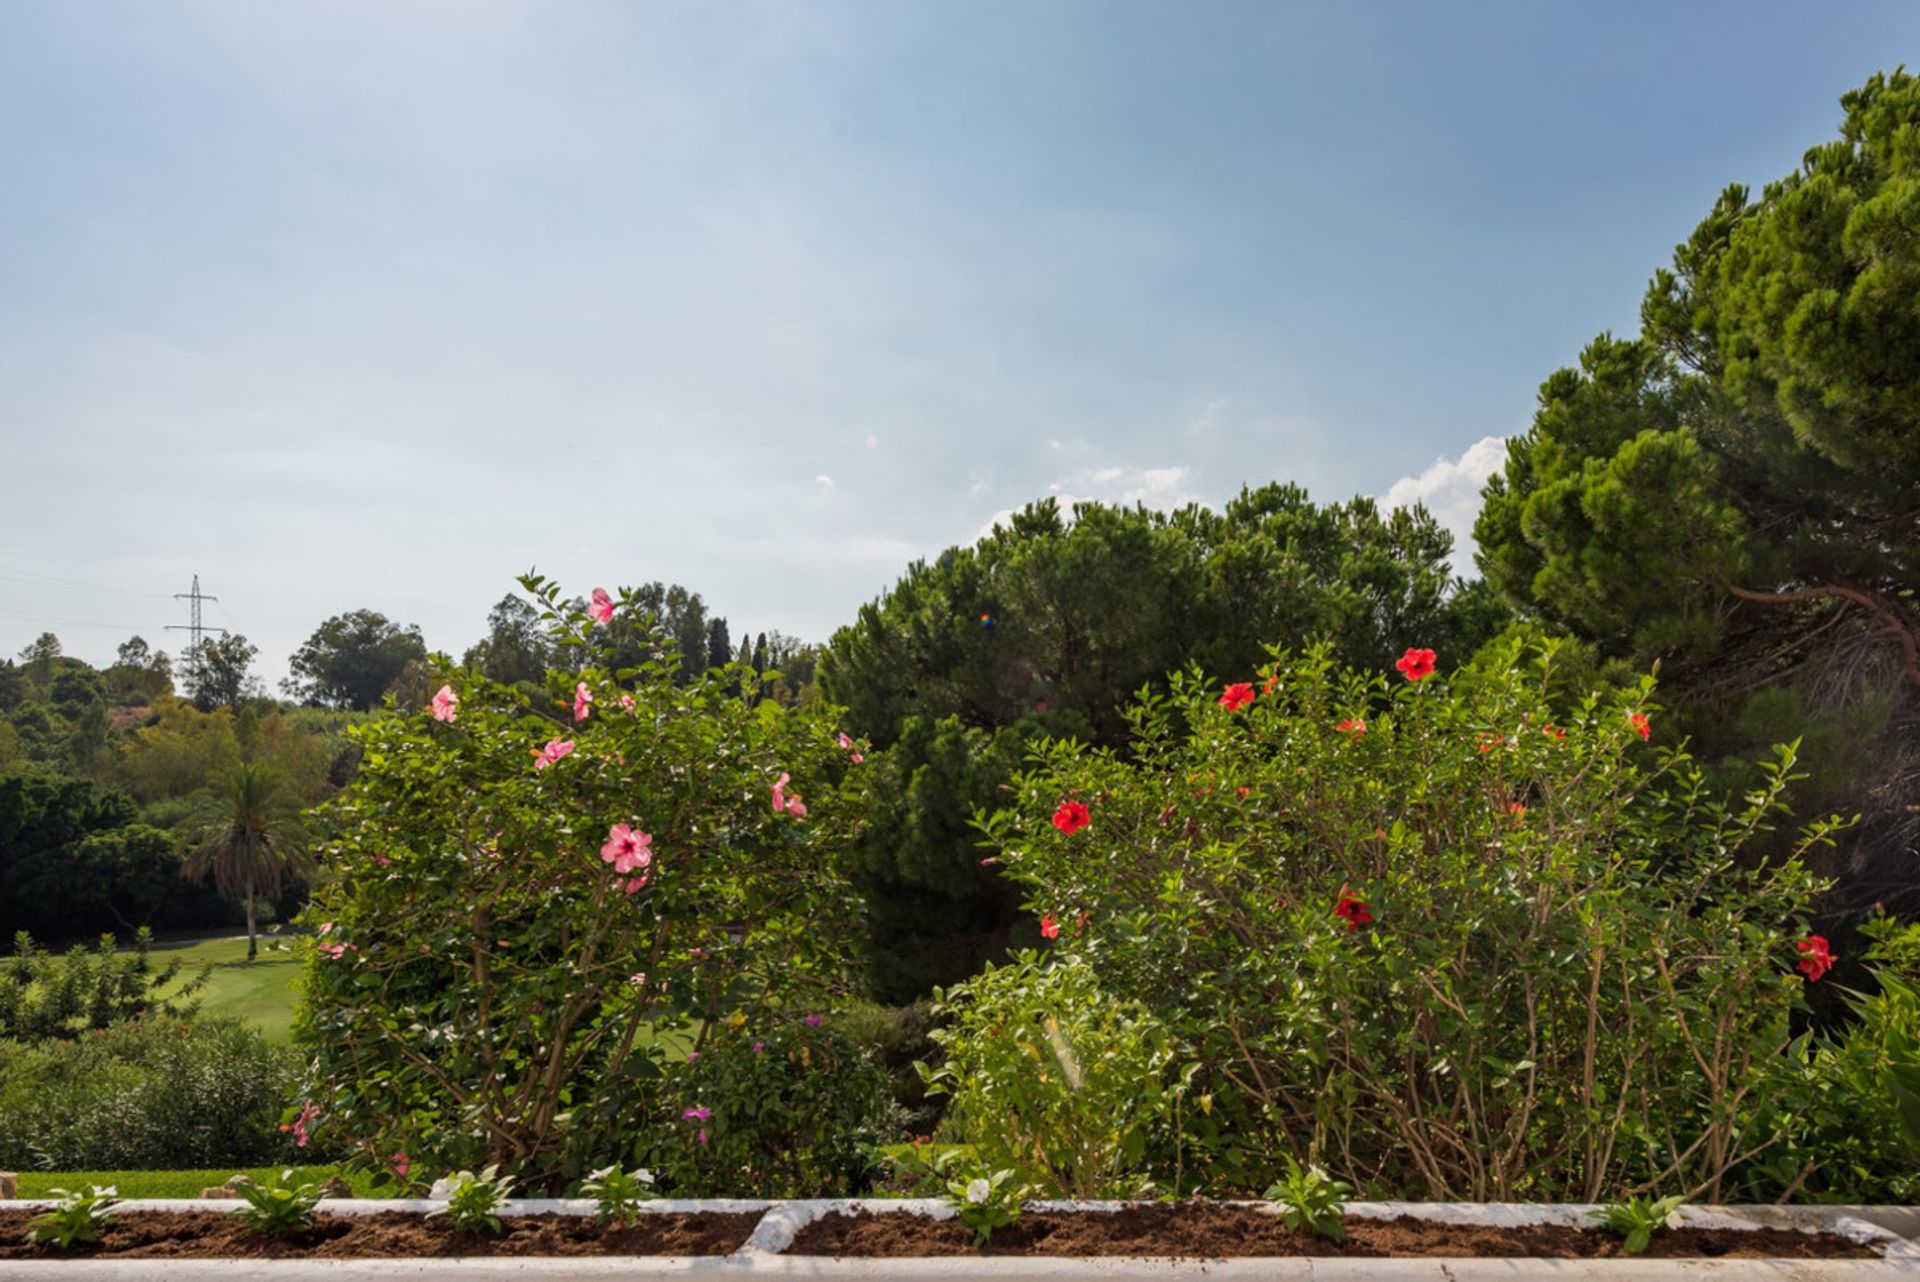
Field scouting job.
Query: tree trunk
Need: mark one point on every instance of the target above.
(253, 945)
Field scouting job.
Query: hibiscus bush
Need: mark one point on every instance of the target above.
(530, 903)
(1444, 934)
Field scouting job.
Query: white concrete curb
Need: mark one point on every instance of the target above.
(761, 1256)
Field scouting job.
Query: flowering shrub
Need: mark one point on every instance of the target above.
(1849, 1129)
(1055, 1079)
(528, 901)
(1486, 948)
(775, 1108)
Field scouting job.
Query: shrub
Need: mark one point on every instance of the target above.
(146, 1094)
(1055, 1079)
(899, 1039)
(1849, 1128)
(786, 1108)
(1442, 937)
(45, 994)
(528, 900)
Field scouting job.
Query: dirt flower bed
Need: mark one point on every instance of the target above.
(1212, 1231)
(216, 1235)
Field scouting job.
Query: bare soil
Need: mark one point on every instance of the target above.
(1205, 1230)
(217, 1235)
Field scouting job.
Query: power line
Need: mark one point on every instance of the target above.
(35, 617)
(34, 578)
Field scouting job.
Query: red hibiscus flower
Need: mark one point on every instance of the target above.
(1816, 959)
(1552, 731)
(1352, 725)
(1643, 727)
(1352, 911)
(1071, 817)
(1049, 928)
(1237, 696)
(1416, 665)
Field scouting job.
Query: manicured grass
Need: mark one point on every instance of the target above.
(259, 991)
(183, 1183)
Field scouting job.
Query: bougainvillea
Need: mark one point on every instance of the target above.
(521, 925)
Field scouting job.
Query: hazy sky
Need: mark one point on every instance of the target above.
(379, 304)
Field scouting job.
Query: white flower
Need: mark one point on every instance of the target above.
(977, 1190)
(644, 1176)
(443, 1187)
(602, 1173)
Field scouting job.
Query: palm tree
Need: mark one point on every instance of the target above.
(253, 841)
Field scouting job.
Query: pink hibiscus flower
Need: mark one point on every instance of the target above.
(602, 607)
(446, 705)
(554, 750)
(626, 849)
(582, 701)
(782, 803)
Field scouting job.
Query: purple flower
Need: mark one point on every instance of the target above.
(758, 1047)
(702, 1137)
(699, 1114)
(814, 1021)
(692, 1056)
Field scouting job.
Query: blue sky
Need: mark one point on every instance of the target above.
(379, 304)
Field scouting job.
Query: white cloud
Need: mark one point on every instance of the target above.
(824, 481)
(1207, 418)
(1450, 489)
(1157, 487)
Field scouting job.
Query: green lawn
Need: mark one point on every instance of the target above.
(182, 1183)
(259, 991)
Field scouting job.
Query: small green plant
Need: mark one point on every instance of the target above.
(1637, 1219)
(278, 1208)
(1055, 1077)
(987, 1202)
(1311, 1201)
(617, 1194)
(473, 1201)
(79, 1217)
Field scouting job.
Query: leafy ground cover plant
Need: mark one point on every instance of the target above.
(1463, 939)
(1056, 1079)
(473, 1201)
(618, 1194)
(987, 1201)
(1312, 1201)
(1637, 1219)
(278, 1207)
(530, 903)
(79, 1217)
